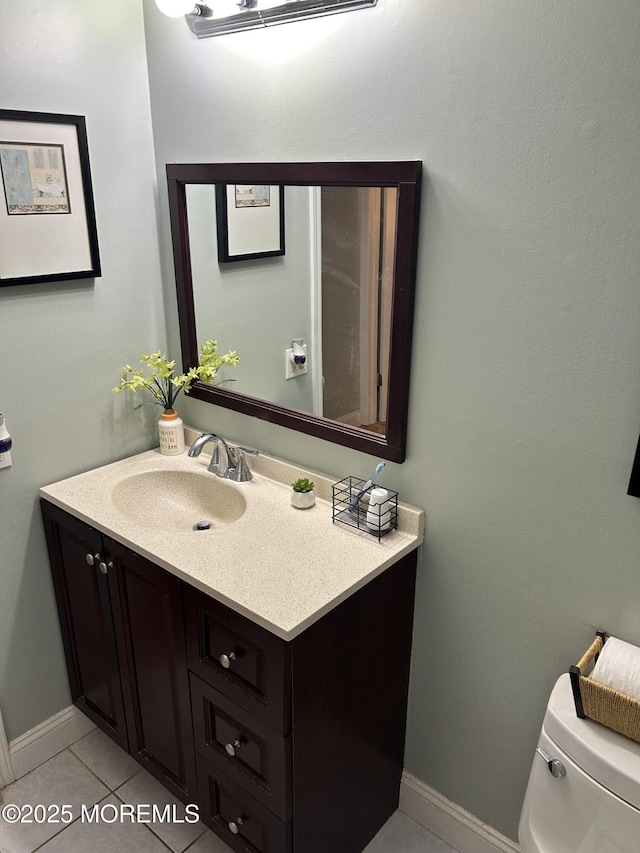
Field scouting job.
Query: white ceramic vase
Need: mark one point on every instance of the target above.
(171, 434)
(303, 500)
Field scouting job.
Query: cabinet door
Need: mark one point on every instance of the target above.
(84, 596)
(150, 633)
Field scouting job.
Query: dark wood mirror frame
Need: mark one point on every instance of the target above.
(405, 176)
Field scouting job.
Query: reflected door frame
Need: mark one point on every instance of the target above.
(377, 234)
(315, 353)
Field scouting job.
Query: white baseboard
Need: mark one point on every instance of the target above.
(449, 821)
(41, 743)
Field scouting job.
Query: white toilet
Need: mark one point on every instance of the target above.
(583, 794)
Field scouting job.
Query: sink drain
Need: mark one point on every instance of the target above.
(203, 525)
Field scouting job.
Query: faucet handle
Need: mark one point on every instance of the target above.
(214, 464)
(242, 471)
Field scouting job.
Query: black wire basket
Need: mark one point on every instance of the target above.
(351, 505)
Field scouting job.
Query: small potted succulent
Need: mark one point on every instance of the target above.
(302, 494)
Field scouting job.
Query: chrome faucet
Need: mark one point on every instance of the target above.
(235, 467)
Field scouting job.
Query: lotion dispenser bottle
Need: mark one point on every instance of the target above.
(5, 444)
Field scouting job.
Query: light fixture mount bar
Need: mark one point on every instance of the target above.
(291, 10)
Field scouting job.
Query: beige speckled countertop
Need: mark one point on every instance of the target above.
(282, 567)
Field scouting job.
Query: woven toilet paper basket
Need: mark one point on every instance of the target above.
(600, 703)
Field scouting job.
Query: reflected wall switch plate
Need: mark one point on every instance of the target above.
(292, 370)
(5, 459)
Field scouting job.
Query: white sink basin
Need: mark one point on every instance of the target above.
(177, 500)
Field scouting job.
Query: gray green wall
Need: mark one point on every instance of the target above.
(525, 392)
(525, 397)
(237, 302)
(62, 345)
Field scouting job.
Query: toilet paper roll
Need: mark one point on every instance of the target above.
(618, 667)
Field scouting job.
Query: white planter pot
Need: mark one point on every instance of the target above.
(303, 500)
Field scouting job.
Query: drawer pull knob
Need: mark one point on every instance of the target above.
(104, 567)
(92, 559)
(234, 825)
(227, 660)
(232, 748)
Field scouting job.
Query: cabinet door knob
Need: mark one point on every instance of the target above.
(232, 748)
(234, 825)
(227, 660)
(92, 559)
(104, 567)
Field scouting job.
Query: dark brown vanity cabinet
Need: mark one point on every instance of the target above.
(123, 634)
(300, 745)
(297, 747)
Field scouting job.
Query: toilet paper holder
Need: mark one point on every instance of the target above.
(597, 702)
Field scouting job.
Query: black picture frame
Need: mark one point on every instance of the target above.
(48, 229)
(249, 221)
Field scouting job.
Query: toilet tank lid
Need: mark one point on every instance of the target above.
(610, 758)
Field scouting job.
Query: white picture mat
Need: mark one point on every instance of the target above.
(45, 244)
(253, 229)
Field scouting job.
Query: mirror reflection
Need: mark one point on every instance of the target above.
(324, 300)
(311, 259)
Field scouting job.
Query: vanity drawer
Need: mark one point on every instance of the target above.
(243, 661)
(248, 751)
(240, 820)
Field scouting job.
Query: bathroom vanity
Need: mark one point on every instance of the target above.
(258, 669)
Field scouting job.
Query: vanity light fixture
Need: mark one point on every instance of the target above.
(178, 8)
(230, 16)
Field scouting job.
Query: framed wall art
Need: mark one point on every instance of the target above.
(250, 221)
(47, 218)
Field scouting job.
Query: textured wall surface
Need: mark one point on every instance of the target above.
(63, 345)
(525, 395)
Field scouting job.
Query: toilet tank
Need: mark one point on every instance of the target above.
(595, 806)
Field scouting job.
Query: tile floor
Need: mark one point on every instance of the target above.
(96, 771)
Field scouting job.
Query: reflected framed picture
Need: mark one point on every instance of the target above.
(47, 219)
(250, 221)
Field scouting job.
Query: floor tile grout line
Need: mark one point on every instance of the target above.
(159, 837)
(35, 769)
(65, 827)
(191, 843)
(115, 790)
(104, 782)
(93, 772)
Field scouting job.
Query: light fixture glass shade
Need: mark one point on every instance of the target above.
(225, 8)
(175, 8)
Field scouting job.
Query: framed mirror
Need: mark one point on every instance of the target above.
(318, 301)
